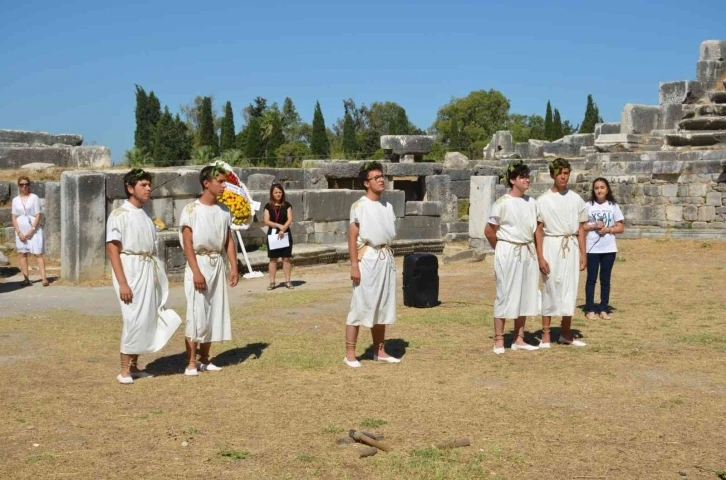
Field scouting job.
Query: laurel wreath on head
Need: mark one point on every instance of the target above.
(217, 169)
(509, 169)
(137, 173)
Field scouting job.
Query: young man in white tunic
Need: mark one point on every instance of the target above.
(138, 277)
(372, 267)
(206, 237)
(510, 231)
(560, 241)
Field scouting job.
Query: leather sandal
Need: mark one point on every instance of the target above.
(271, 286)
(289, 286)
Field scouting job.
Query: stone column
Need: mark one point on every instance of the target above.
(52, 214)
(83, 225)
(481, 199)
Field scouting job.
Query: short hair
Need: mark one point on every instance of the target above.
(366, 168)
(23, 177)
(557, 165)
(514, 170)
(135, 176)
(272, 189)
(209, 172)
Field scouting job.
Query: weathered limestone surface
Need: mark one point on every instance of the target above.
(438, 188)
(52, 219)
(83, 220)
(407, 144)
(606, 128)
(424, 208)
(456, 160)
(412, 169)
(13, 156)
(418, 227)
(481, 199)
(639, 119)
(39, 138)
(260, 181)
(711, 67)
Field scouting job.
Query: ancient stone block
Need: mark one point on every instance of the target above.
(15, 156)
(437, 188)
(690, 213)
(259, 181)
(397, 199)
(671, 167)
(488, 170)
(503, 142)
(711, 67)
(91, 157)
(481, 199)
(697, 190)
(706, 213)
(522, 149)
(456, 160)
(460, 188)
(455, 175)
(424, 208)
(83, 225)
(163, 209)
(331, 227)
(39, 138)
(536, 148)
(329, 205)
(669, 190)
(418, 227)
(182, 182)
(674, 212)
(404, 144)
(680, 92)
(412, 169)
(341, 168)
(713, 199)
(606, 129)
(639, 119)
(651, 190)
(178, 205)
(670, 115)
(313, 179)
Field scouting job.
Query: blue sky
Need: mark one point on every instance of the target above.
(71, 68)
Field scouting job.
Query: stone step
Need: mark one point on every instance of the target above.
(717, 96)
(696, 139)
(316, 254)
(690, 111)
(703, 123)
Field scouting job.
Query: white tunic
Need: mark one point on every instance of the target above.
(515, 260)
(374, 298)
(561, 216)
(26, 210)
(148, 326)
(208, 317)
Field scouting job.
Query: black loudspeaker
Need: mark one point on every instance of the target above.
(420, 280)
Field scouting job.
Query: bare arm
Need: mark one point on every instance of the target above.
(21, 236)
(618, 228)
(113, 249)
(544, 267)
(232, 256)
(353, 252)
(289, 219)
(581, 241)
(269, 222)
(490, 231)
(199, 282)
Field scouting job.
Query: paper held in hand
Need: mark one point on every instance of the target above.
(276, 242)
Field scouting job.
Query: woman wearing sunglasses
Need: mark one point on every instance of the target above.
(27, 215)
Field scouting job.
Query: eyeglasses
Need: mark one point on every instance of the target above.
(375, 179)
(23, 184)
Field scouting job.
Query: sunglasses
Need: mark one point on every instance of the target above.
(23, 184)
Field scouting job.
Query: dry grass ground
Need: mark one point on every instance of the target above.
(645, 399)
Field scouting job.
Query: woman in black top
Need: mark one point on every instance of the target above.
(278, 218)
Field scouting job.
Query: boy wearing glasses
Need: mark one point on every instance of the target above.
(138, 277)
(372, 267)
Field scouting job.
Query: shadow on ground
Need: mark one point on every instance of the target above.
(396, 347)
(175, 364)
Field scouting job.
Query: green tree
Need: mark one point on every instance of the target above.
(320, 144)
(275, 140)
(568, 128)
(254, 146)
(164, 140)
(137, 157)
(291, 155)
(183, 141)
(202, 155)
(525, 127)
(557, 131)
(141, 134)
(349, 139)
(479, 115)
(388, 118)
(206, 127)
(455, 139)
(548, 124)
(369, 142)
(592, 116)
(234, 157)
(227, 138)
(290, 121)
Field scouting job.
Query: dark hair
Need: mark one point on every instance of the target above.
(514, 170)
(366, 169)
(272, 189)
(23, 177)
(557, 165)
(134, 177)
(609, 197)
(210, 172)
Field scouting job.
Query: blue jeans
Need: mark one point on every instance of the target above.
(603, 262)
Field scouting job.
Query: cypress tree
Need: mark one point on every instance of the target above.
(557, 126)
(183, 142)
(455, 136)
(592, 116)
(141, 135)
(274, 141)
(401, 125)
(153, 108)
(206, 126)
(227, 138)
(548, 124)
(164, 140)
(349, 140)
(319, 145)
(254, 148)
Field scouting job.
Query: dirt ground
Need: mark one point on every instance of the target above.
(645, 399)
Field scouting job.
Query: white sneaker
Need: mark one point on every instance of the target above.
(124, 380)
(386, 359)
(498, 350)
(191, 372)
(526, 347)
(353, 364)
(209, 367)
(574, 342)
(544, 345)
(141, 375)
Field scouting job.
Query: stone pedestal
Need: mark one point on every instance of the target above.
(481, 199)
(52, 215)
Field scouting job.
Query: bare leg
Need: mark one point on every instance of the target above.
(204, 352)
(378, 332)
(272, 268)
(134, 364)
(287, 268)
(41, 265)
(126, 365)
(191, 354)
(351, 337)
(519, 330)
(546, 329)
(24, 265)
(499, 332)
(566, 327)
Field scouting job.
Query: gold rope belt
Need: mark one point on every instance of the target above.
(382, 251)
(518, 247)
(214, 255)
(148, 257)
(565, 247)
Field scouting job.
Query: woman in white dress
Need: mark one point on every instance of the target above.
(27, 216)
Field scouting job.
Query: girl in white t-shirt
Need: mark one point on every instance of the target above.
(604, 221)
